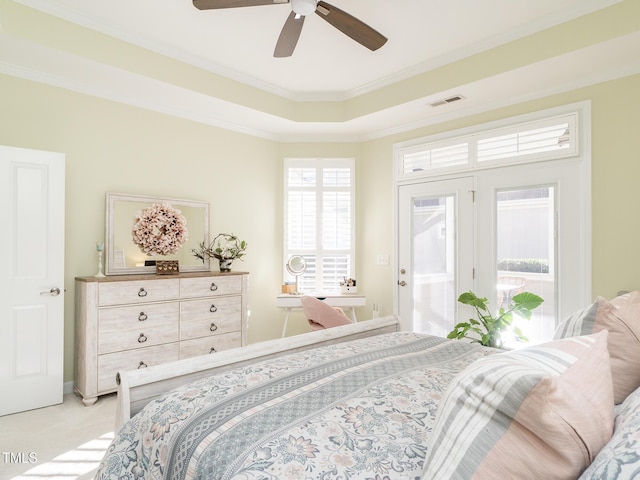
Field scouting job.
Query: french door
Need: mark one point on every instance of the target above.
(533, 233)
(435, 254)
(497, 232)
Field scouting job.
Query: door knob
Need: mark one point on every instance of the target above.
(54, 292)
(402, 283)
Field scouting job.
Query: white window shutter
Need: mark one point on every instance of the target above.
(319, 220)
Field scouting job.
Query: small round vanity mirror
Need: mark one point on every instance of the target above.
(296, 266)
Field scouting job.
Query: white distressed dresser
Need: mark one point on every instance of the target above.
(124, 322)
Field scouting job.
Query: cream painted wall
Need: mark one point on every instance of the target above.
(116, 148)
(616, 197)
(111, 147)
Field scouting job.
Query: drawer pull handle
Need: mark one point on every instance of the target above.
(142, 338)
(142, 292)
(213, 327)
(213, 287)
(213, 350)
(213, 309)
(142, 365)
(142, 317)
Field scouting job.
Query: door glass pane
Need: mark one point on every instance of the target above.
(526, 257)
(434, 282)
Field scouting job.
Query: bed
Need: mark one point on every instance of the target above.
(366, 401)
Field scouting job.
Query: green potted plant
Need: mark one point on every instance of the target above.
(487, 328)
(226, 247)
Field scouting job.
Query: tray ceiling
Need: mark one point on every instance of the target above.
(328, 66)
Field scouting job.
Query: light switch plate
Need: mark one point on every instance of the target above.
(382, 259)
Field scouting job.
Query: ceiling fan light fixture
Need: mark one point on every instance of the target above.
(304, 7)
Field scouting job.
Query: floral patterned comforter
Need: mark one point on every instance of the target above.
(357, 410)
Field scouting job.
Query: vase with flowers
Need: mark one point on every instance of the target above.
(225, 247)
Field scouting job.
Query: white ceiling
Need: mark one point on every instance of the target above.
(327, 65)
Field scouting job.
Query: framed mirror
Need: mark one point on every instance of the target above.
(186, 221)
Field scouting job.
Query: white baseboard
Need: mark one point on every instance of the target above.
(67, 388)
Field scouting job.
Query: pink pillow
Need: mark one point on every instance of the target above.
(621, 317)
(542, 412)
(320, 315)
(624, 344)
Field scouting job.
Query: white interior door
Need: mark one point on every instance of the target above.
(435, 252)
(31, 279)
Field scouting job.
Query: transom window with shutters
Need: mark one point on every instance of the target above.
(319, 221)
(534, 141)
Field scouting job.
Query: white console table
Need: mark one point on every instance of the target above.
(347, 301)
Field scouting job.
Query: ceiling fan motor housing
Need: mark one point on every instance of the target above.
(304, 7)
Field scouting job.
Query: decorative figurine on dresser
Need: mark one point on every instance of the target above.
(135, 316)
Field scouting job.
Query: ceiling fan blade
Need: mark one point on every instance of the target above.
(289, 36)
(351, 26)
(215, 4)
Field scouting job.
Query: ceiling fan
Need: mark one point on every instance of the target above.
(347, 24)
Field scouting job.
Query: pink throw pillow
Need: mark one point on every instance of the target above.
(542, 412)
(621, 317)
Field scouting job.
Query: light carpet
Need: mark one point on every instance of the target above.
(65, 441)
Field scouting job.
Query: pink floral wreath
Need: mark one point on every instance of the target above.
(159, 230)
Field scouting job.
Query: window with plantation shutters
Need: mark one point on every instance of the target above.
(435, 156)
(545, 139)
(541, 139)
(319, 220)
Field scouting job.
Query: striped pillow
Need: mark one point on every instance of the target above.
(583, 322)
(540, 412)
(621, 317)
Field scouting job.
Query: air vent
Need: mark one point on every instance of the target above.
(455, 98)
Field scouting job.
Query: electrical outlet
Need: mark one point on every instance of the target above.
(376, 311)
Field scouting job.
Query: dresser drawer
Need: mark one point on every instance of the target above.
(214, 316)
(206, 345)
(136, 326)
(207, 286)
(110, 364)
(138, 291)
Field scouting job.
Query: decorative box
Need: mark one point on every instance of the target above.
(167, 267)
